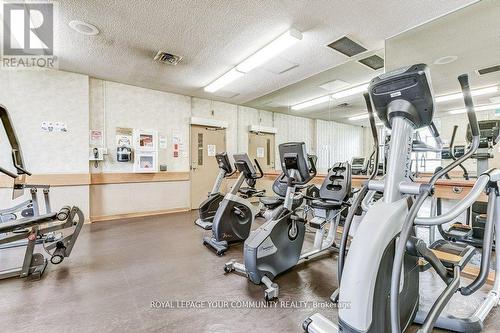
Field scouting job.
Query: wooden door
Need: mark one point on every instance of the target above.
(205, 143)
(261, 148)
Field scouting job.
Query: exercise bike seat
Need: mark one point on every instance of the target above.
(26, 222)
(325, 204)
(271, 202)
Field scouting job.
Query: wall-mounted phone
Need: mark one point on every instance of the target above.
(123, 154)
(96, 154)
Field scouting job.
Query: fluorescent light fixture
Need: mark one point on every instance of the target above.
(351, 91)
(316, 101)
(477, 108)
(474, 93)
(224, 80)
(270, 50)
(359, 116)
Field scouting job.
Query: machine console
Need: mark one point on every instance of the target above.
(223, 162)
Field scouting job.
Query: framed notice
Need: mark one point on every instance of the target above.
(145, 140)
(146, 161)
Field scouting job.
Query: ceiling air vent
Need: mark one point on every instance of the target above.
(347, 46)
(167, 58)
(488, 70)
(374, 62)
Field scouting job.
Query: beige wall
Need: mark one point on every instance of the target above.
(85, 104)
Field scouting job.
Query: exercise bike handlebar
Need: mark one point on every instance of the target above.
(261, 173)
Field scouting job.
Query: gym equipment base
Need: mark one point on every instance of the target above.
(206, 225)
(219, 247)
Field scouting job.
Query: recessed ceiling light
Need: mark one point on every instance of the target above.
(474, 93)
(83, 28)
(312, 102)
(359, 116)
(445, 60)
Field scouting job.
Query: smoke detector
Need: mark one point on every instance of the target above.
(167, 58)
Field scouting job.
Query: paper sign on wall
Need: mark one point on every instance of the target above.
(124, 137)
(96, 138)
(54, 126)
(211, 150)
(163, 141)
(260, 152)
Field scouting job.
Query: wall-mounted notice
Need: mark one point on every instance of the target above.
(124, 137)
(163, 141)
(260, 152)
(53, 126)
(211, 150)
(96, 138)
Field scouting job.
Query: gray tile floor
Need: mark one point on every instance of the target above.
(118, 268)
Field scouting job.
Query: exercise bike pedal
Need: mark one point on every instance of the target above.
(334, 298)
(229, 266)
(271, 294)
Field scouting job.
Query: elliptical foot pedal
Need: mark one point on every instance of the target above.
(453, 254)
(38, 265)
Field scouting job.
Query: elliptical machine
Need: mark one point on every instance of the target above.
(31, 226)
(235, 215)
(385, 248)
(209, 206)
(276, 246)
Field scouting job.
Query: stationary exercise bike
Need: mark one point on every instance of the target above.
(235, 215)
(209, 206)
(276, 246)
(269, 205)
(382, 266)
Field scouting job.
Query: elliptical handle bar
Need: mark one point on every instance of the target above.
(361, 194)
(371, 118)
(17, 158)
(469, 104)
(452, 153)
(435, 133)
(8, 173)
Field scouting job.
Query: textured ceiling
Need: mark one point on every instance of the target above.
(213, 36)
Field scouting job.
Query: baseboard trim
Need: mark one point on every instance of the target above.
(137, 215)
